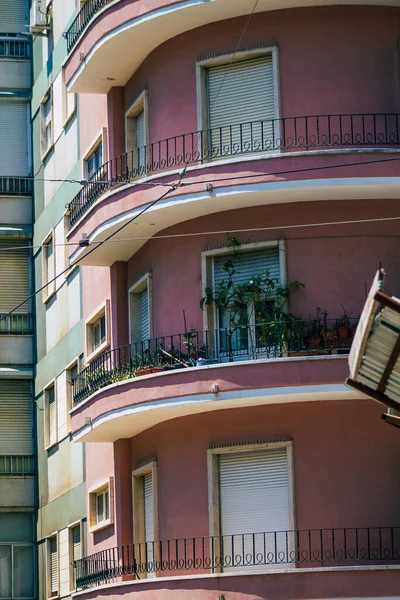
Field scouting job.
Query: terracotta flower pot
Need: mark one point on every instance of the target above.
(148, 371)
(315, 343)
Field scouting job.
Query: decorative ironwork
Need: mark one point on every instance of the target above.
(15, 186)
(193, 348)
(267, 136)
(305, 547)
(12, 47)
(16, 324)
(17, 465)
(85, 15)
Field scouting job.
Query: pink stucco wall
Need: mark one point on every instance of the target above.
(93, 117)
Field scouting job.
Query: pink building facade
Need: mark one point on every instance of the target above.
(225, 457)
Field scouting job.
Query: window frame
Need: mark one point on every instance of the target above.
(71, 527)
(13, 545)
(140, 104)
(67, 116)
(48, 443)
(90, 352)
(138, 474)
(48, 538)
(50, 289)
(214, 507)
(210, 316)
(95, 491)
(45, 122)
(202, 92)
(100, 139)
(144, 282)
(78, 363)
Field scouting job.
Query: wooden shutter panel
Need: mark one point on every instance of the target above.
(14, 16)
(13, 137)
(254, 499)
(52, 407)
(53, 566)
(149, 516)
(144, 316)
(248, 264)
(76, 542)
(14, 275)
(15, 417)
(241, 103)
(141, 139)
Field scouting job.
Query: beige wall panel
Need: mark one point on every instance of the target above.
(56, 318)
(65, 468)
(17, 492)
(64, 562)
(62, 13)
(15, 74)
(18, 350)
(61, 162)
(62, 406)
(16, 211)
(76, 458)
(73, 299)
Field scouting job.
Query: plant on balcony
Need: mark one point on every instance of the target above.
(258, 317)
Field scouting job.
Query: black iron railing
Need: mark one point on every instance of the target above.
(15, 186)
(11, 47)
(306, 547)
(273, 135)
(85, 15)
(16, 324)
(17, 465)
(196, 348)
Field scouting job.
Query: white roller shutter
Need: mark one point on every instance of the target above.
(248, 265)
(144, 316)
(53, 566)
(149, 516)
(141, 138)
(241, 104)
(14, 138)
(15, 417)
(254, 500)
(14, 275)
(13, 16)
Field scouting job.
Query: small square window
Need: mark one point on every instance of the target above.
(101, 506)
(99, 332)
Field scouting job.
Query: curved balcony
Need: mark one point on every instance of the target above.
(239, 141)
(178, 368)
(297, 549)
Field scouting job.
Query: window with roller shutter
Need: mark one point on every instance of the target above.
(14, 275)
(242, 106)
(51, 415)
(52, 543)
(14, 137)
(75, 548)
(145, 514)
(140, 312)
(14, 16)
(15, 417)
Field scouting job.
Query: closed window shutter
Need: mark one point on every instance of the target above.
(144, 316)
(14, 16)
(248, 265)
(53, 566)
(13, 137)
(76, 542)
(52, 405)
(141, 138)
(149, 516)
(14, 275)
(254, 499)
(241, 104)
(15, 417)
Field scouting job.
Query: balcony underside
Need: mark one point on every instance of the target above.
(103, 44)
(119, 206)
(124, 409)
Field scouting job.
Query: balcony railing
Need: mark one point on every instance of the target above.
(197, 348)
(16, 324)
(83, 18)
(273, 135)
(244, 551)
(17, 465)
(15, 186)
(14, 48)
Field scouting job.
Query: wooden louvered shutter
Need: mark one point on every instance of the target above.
(254, 499)
(15, 417)
(14, 274)
(53, 565)
(144, 316)
(52, 419)
(141, 139)
(241, 106)
(76, 542)
(14, 137)
(14, 16)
